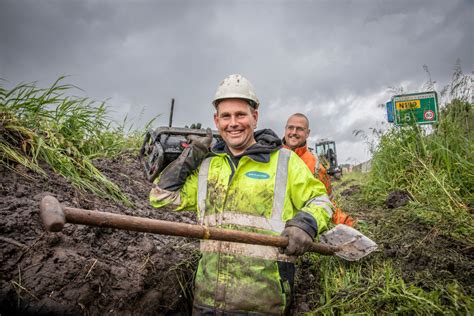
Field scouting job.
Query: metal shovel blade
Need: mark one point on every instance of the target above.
(353, 244)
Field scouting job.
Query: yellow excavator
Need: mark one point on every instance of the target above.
(326, 151)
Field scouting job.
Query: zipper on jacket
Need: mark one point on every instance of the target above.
(232, 168)
(222, 261)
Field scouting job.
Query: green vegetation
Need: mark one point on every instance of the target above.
(375, 286)
(436, 169)
(444, 156)
(424, 262)
(46, 126)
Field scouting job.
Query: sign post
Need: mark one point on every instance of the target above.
(390, 116)
(420, 108)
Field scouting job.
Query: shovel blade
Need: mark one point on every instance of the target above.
(353, 244)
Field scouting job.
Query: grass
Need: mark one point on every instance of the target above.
(47, 125)
(423, 265)
(437, 169)
(375, 287)
(393, 280)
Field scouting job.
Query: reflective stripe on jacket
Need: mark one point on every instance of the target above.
(257, 197)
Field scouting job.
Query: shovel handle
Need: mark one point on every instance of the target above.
(54, 216)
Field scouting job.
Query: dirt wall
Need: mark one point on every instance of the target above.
(85, 270)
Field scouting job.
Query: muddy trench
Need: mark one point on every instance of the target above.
(87, 270)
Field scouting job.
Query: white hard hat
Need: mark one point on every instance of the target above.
(236, 86)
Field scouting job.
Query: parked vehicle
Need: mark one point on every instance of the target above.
(326, 151)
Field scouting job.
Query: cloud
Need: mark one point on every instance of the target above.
(330, 60)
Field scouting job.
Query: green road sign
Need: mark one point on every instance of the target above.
(421, 108)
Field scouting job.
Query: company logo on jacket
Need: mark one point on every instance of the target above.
(257, 175)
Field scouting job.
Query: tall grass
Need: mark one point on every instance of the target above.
(45, 125)
(437, 169)
(424, 262)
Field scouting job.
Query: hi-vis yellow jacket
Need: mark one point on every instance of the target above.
(268, 189)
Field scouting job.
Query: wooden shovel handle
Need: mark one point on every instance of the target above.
(54, 217)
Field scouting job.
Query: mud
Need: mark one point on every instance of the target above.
(353, 189)
(397, 198)
(85, 270)
(425, 256)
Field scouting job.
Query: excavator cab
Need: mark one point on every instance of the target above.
(326, 151)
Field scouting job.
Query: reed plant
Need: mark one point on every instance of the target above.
(47, 125)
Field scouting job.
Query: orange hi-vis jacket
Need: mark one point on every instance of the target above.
(317, 168)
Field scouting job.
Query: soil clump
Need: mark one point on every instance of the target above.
(397, 198)
(353, 189)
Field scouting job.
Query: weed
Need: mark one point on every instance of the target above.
(44, 125)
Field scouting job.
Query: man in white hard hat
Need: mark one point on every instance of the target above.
(246, 182)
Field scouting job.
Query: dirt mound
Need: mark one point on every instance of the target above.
(353, 189)
(94, 271)
(427, 257)
(398, 198)
(87, 270)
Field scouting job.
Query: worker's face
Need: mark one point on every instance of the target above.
(236, 121)
(296, 131)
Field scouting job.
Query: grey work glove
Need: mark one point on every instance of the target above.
(174, 175)
(203, 141)
(298, 241)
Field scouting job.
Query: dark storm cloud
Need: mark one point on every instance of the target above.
(332, 60)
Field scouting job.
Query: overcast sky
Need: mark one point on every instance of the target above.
(331, 60)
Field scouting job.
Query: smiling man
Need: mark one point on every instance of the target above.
(296, 133)
(246, 182)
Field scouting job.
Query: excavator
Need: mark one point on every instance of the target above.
(326, 151)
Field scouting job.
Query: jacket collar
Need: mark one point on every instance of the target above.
(300, 151)
(266, 143)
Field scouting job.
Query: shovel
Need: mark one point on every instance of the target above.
(342, 241)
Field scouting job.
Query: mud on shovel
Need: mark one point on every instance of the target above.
(342, 241)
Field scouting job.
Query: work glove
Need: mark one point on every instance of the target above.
(298, 241)
(174, 175)
(202, 141)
